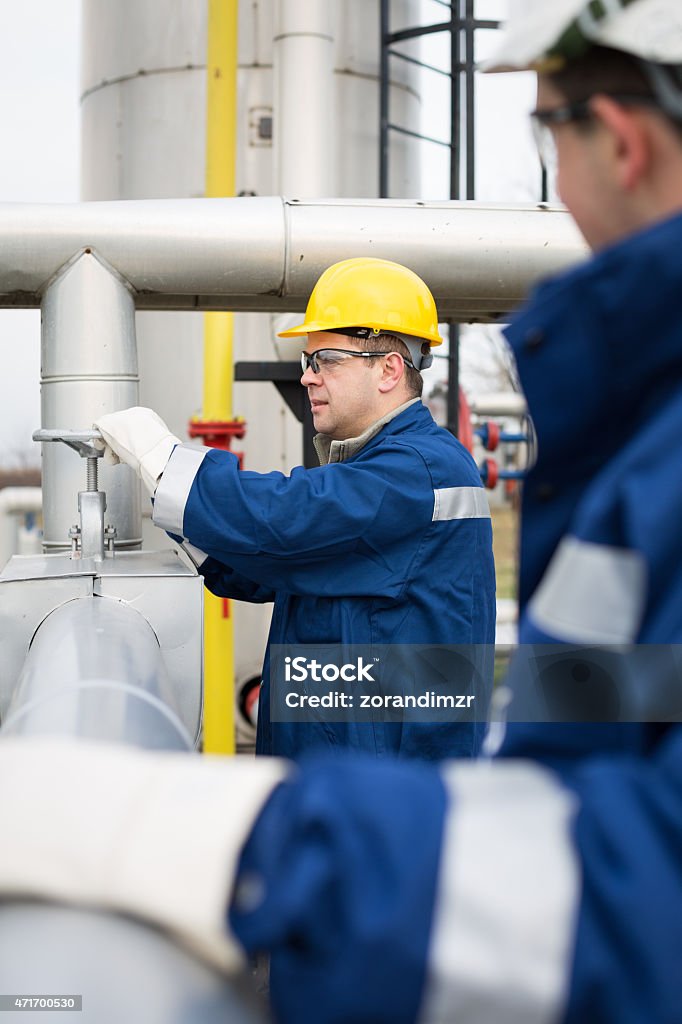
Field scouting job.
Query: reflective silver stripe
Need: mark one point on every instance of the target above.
(508, 893)
(591, 593)
(460, 503)
(196, 555)
(174, 487)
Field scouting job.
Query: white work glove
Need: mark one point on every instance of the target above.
(155, 835)
(139, 438)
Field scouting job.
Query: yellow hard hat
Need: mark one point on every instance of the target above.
(367, 292)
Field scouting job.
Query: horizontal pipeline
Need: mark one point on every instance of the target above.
(264, 254)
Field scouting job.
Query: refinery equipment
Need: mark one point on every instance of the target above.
(102, 635)
(89, 267)
(303, 98)
(306, 99)
(102, 640)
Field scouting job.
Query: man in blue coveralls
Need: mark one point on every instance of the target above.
(544, 885)
(388, 542)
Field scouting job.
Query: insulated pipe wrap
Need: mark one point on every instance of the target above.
(88, 367)
(265, 254)
(95, 670)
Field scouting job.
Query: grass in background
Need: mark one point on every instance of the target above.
(505, 549)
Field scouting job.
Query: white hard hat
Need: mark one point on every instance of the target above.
(544, 34)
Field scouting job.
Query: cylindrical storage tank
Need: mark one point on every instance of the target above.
(88, 367)
(95, 671)
(144, 136)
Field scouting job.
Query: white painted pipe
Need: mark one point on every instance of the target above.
(265, 254)
(15, 501)
(498, 403)
(303, 124)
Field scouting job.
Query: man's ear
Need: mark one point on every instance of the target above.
(392, 373)
(630, 138)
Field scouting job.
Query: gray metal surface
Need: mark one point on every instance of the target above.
(88, 367)
(126, 972)
(166, 593)
(91, 510)
(95, 670)
(266, 253)
(303, 69)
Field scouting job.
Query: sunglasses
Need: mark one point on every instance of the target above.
(325, 359)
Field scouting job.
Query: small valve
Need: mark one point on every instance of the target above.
(489, 434)
(490, 473)
(89, 538)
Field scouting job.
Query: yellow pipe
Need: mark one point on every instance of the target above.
(221, 138)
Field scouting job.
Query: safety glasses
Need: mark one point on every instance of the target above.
(324, 360)
(545, 120)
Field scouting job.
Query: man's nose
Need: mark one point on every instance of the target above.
(308, 377)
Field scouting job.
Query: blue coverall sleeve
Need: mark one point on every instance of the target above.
(343, 862)
(629, 937)
(223, 581)
(497, 891)
(341, 526)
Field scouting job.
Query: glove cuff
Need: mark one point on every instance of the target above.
(153, 463)
(179, 863)
(155, 835)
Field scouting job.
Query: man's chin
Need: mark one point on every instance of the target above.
(321, 423)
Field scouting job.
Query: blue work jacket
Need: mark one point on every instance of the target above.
(546, 884)
(391, 546)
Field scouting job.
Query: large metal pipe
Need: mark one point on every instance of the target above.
(95, 670)
(266, 253)
(88, 367)
(303, 64)
(121, 969)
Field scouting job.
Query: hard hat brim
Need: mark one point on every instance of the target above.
(310, 328)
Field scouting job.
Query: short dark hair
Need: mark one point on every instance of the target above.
(391, 343)
(603, 70)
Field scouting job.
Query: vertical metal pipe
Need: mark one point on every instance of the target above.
(455, 116)
(88, 367)
(453, 379)
(470, 100)
(303, 60)
(383, 97)
(452, 402)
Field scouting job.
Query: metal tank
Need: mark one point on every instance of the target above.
(143, 136)
(307, 127)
